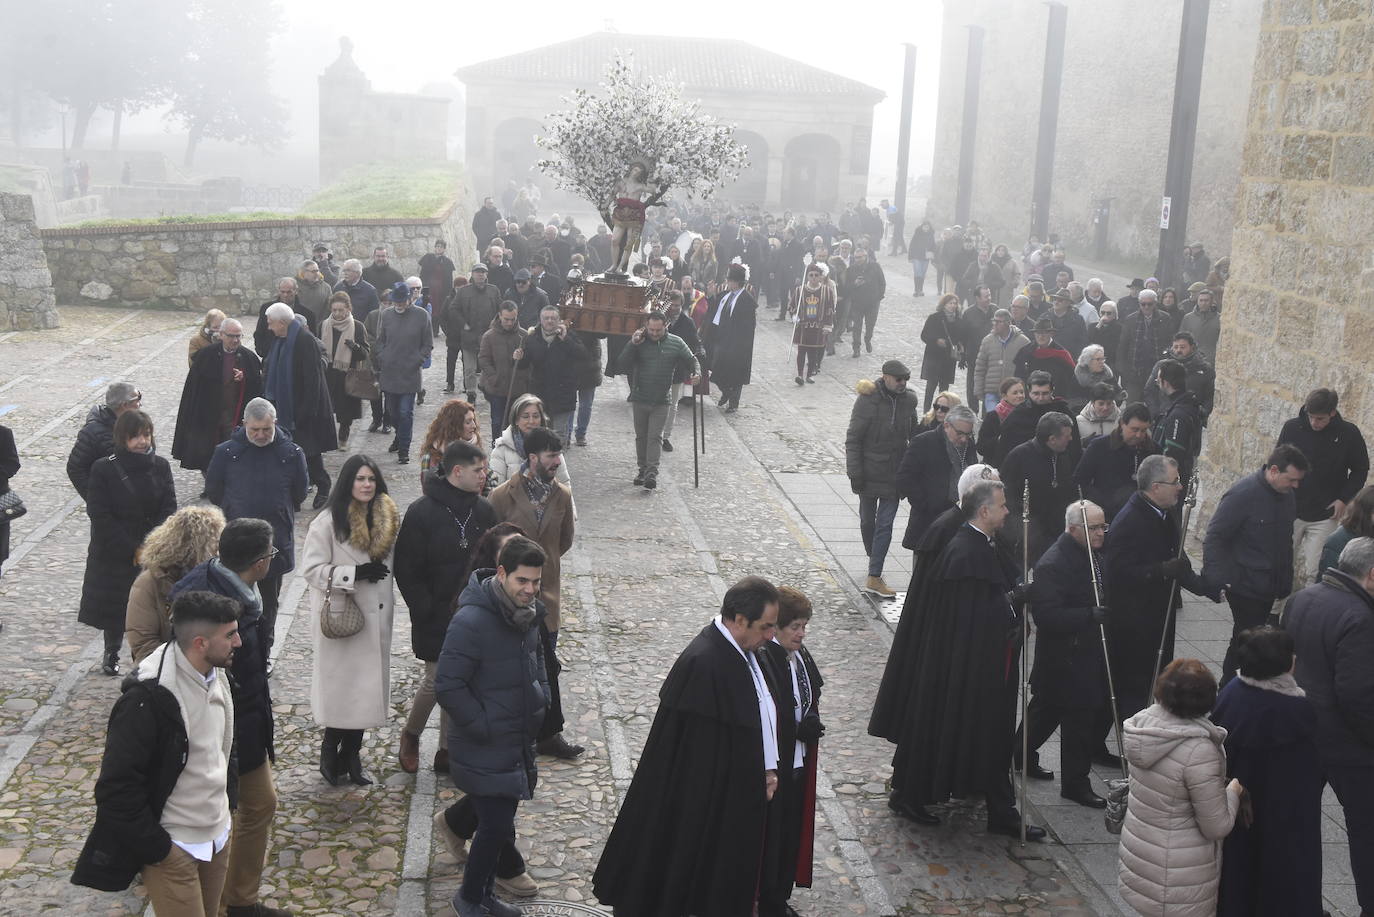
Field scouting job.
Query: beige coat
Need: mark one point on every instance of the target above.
(148, 616)
(350, 683)
(555, 534)
(1178, 813)
(995, 363)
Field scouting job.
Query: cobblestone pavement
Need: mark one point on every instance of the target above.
(646, 573)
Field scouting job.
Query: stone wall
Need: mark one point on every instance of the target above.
(231, 266)
(144, 199)
(1114, 117)
(26, 291)
(1299, 311)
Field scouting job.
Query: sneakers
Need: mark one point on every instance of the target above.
(522, 886)
(875, 586)
(667, 446)
(457, 847)
(639, 479)
(402, 458)
(650, 482)
(582, 439)
(493, 906)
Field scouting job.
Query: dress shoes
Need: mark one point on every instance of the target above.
(395, 446)
(559, 747)
(410, 752)
(109, 665)
(667, 446)
(1084, 796)
(1035, 771)
(1013, 829)
(919, 814)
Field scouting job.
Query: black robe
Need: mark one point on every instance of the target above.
(691, 829)
(957, 740)
(204, 420)
(731, 343)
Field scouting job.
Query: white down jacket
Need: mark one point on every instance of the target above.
(1178, 813)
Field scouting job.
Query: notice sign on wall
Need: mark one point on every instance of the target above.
(1164, 209)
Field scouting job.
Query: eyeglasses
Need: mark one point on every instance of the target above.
(270, 555)
(231, 334)
(1174, 483)
(1097, 528)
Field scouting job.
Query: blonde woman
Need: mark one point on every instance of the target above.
(933, 418)
(205, 335)
(349, 552)
(188, 538)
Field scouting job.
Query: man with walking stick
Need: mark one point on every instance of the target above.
(1068, 680)
(1144, 563)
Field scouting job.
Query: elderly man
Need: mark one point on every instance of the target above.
(380, 273)
(560, 252)
(1332, 624)
(499, 273)
(286, 293)
(1045, 464)
(224, 377)
(361, 294)
(653, 360)
(729, 336)
(312, 294)
(928, 475)
(1068, 678)
(1144, 335)
(404, 342)
(96, 438)
(714, 740)
(259, 473)
(553, 354)
(880, 424)
(996, 359)
(294, 381)
(1107, 471)
(465, 316)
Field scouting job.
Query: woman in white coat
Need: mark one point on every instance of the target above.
(348, 553)
(1180, 806)
(507, 453)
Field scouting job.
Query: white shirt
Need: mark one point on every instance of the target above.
(727, 308)
(794, 662)
(768, 712)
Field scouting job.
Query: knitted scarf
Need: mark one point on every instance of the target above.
(519, 617)
(340, 333)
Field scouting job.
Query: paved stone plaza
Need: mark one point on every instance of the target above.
(648, 570)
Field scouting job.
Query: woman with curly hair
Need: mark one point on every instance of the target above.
(348, 556)
(188, 538)
(704, 266)
(455, 422)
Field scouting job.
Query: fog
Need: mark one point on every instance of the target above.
(413, 46)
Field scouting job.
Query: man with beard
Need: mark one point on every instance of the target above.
(552, 354)
(465, 318)
(1068, 680)
(499, 356)
(293, 380)
(969, 661)
(1108, 468)
(312, 295)
(1141, 562)
(1045, 465)
(380, 273)
(1202, 378)
(528, 298)
(729, 336)
(708, 770)
(867, 286)
(1178, 428)
(223, 378)
(1022, 422)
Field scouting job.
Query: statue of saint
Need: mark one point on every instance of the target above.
(627, 214)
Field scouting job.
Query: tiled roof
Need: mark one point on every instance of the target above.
(720, 64)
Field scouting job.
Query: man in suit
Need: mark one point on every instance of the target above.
(729, 333)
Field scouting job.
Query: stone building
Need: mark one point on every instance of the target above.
(26, 293)
(358, 125)
(808, 131)
(1113, 130)
(1299, 307)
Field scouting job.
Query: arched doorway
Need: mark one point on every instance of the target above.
(513, 153)
(752, 184)
(811, 173)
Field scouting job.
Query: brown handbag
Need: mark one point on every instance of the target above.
(362, 383)
(339, 619)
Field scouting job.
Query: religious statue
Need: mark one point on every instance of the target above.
(627, 214)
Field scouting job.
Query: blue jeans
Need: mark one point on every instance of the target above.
(401, 409)
(498, 415)
(585, 396)
(875, 528)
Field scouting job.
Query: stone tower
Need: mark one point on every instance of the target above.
(1299, 306)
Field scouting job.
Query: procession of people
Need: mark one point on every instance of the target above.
(1050, 515)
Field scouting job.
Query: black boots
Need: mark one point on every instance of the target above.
(350, 756)
(329, 755)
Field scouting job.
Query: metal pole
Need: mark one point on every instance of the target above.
(1102, 630)
(904, 134)
(696, 459)
(1050, 85)
(968, 131)
(1188, 503)
(1025, 653)
(1178, 175)
(701, 406)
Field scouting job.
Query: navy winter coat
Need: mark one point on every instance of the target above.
(1068, 669)
(1340, 463)
(1107, 471)
(492, 683)
(261, 482)
(1249, 543)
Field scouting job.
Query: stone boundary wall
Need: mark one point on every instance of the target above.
(26, 291)
(1299, 307)
(232, 266)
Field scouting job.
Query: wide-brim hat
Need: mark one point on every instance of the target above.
(1043, 325)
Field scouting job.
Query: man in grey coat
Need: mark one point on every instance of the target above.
(880, 423)
(404, 342)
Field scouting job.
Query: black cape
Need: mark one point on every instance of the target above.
(957, 737)
(689, 837)
(202, 416)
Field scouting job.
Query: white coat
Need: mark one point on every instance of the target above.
(350, 683)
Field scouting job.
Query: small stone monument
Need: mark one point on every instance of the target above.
(26, 293)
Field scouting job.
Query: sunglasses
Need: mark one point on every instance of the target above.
(941, 408)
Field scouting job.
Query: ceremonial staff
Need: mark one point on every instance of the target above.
(1025, 650)
(1188, 503)
(1102, 629)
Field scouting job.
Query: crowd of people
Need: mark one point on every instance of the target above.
(1070, 451)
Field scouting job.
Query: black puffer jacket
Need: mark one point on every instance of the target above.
(1339, 458)
(431, 558)
(556, 365)
(1249, 543)
(880, 424)
(492, 683)
(95, 441)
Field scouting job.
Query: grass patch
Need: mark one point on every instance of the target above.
(184, 218)
(392, 191)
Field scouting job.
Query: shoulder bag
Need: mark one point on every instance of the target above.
(339, 619)
(11, 506)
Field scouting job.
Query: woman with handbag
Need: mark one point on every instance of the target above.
(347, 346)
(11, 507)
(130, 494)
(347, 565)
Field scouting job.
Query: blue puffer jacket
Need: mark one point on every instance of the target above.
(261, 482)
(491, 682)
